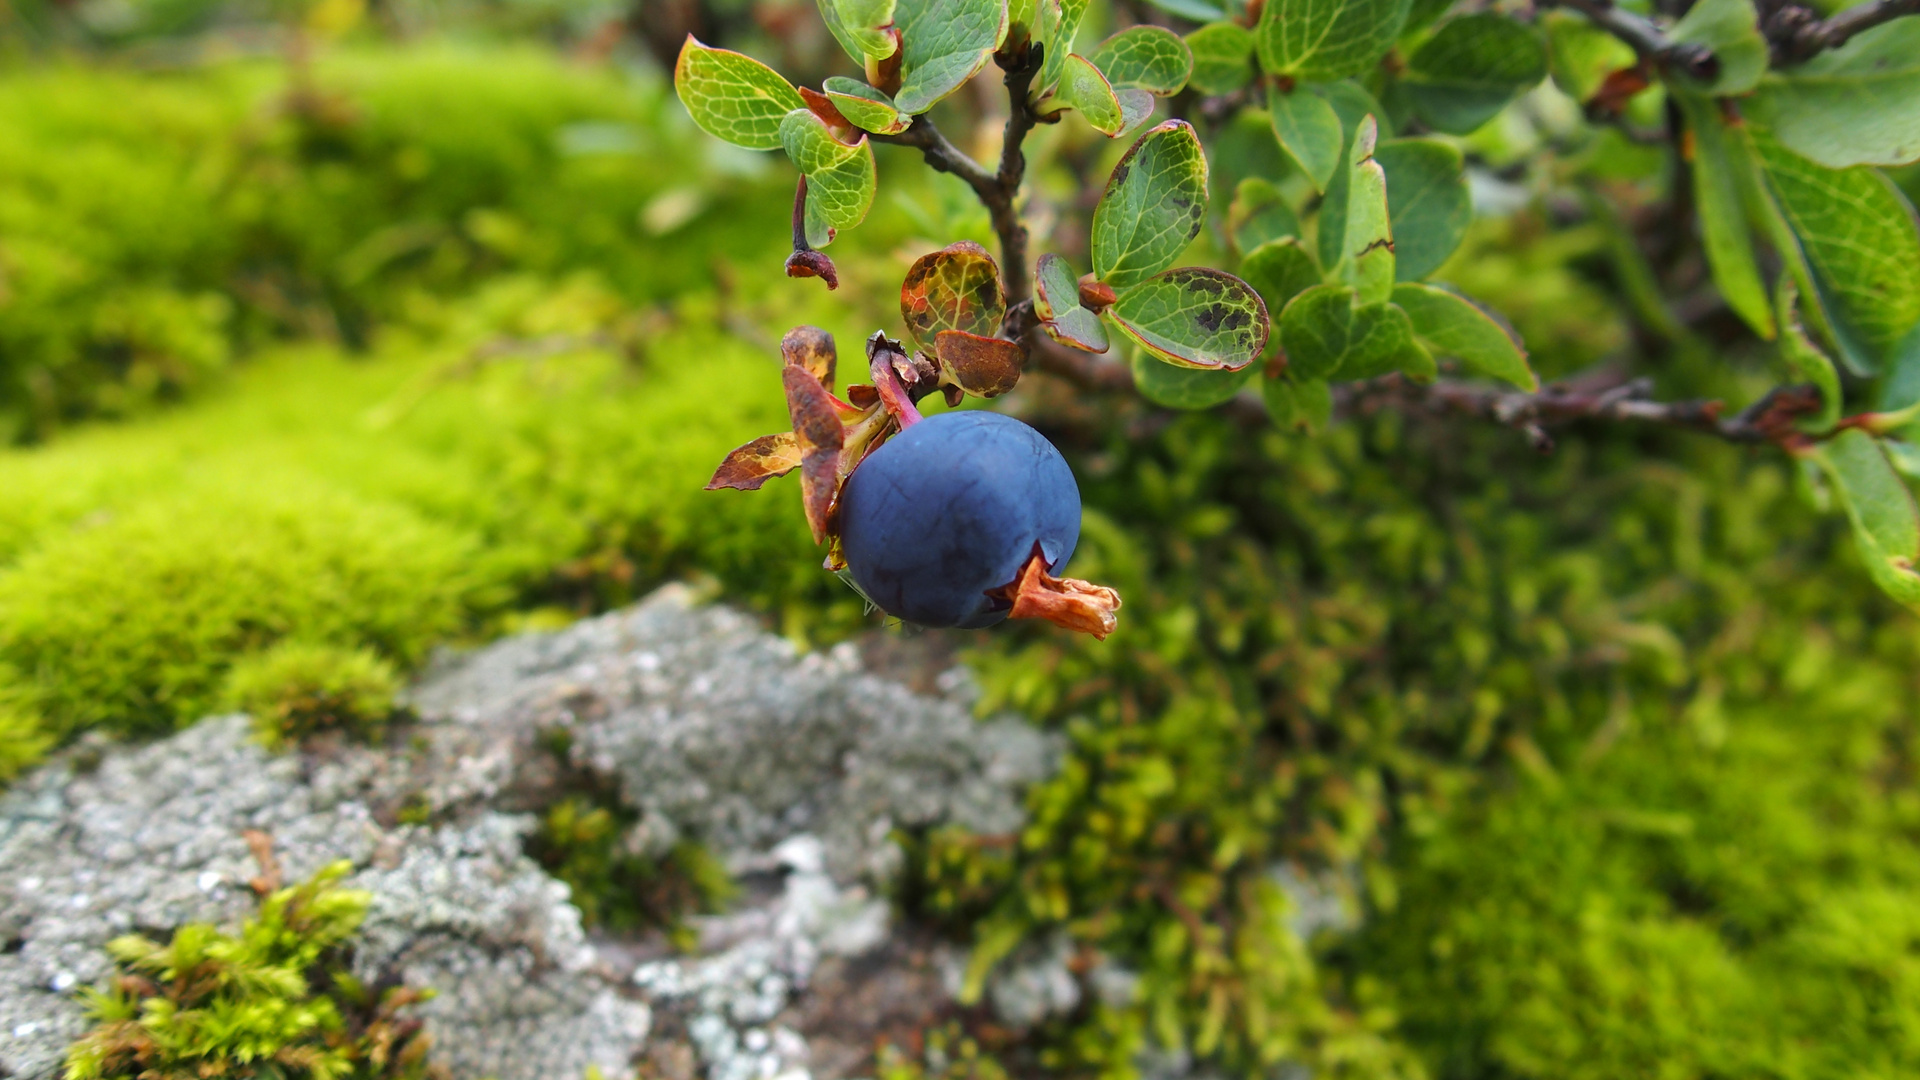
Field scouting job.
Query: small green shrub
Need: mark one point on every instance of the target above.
(276, 1000)
(580, 841)
(297, 689)
(945, 1053)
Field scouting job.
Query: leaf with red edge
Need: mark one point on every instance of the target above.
(819, 434)
(982, 366)
(956, 288)
(811, 348)
(757, 462)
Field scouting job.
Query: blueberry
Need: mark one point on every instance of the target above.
(949, 510)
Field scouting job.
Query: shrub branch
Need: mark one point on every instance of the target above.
(1647, 39)
(1798, 33)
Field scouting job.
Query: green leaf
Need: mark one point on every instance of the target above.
(1309, 131)
(1056, 299)
(1731, 29)
(1323, 40)
(1805, 357)
(859, 26)
(1059, 25)
(1422, 14)
(1366, 260)
(943, 43)
(1084, 88)
(1450, 325)
(1886, 523)
(1305, 405)
(1149, 58)
(1717, 169)
(1862, 244)
(1222, 58)
(955, 288)
(1195, 10)
(1326, 331)
(1428, 204)
(1280, 270)
(1351, 104)
(840, 178)
(1259, 213)
(1471, 69)
(732, 96)
(1153, 206)
(1194, 317)
(1854, 105)
(1580, 55)
(1186, 388)
(866, 108)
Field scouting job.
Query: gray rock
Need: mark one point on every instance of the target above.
(794, 768)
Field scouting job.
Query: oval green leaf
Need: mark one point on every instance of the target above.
(732, 96)
(1309, 131)
(1194, 317)
(943, 43)
(1280, 270)
(1323, 40)
(1083, 87)
(1450, 325)
(1305, 405)
(1153, 206)
(866, 108)
(1861, 241)
(1222, 58)
(1886, 523)
(1855, 105)
(1471, 68)
(1327, 332)
(1150, 58)
(1059, 24)
(1186, 388)
(1717, 172)
(1367, 260)
(841, 178)
(1428, 204)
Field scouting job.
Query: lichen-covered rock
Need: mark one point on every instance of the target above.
(153, 839)
(717, 730)
(794, 768)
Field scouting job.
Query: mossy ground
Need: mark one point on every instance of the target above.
(1613, 749)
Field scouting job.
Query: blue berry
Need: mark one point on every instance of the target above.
(949, 510)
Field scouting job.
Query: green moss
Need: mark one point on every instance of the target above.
(159, 225)
(276, 999)
(583, 843)
(132, 623)
(298, 689)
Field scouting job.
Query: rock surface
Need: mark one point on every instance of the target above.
(794, 769)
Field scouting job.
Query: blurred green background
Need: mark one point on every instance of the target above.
(402, 323)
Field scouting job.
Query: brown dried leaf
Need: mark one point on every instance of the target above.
(957, 288)
(982, 366)
(817, 430)
(757, 462)
(811, 348)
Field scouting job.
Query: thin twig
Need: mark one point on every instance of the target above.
(997, 191)
(1648, 40)
(1798, 34)
(1600, 395)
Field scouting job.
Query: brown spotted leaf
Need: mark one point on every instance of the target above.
(982, 366)
(819, 435)
(811, 348)
(957, 288)
(757, 462)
